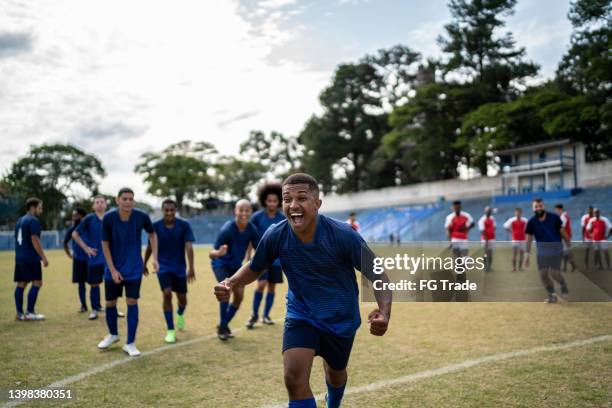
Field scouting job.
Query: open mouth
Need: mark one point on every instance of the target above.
(297, 218)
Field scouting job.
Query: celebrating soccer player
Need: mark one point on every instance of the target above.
(486, 226)
(174, 238)
(319, 256)
(28, 256)
(516, 227)
(600, 229)
(270, 195)
(547, 229)
(229, 251)
(78, 256)
(121, 244)
(88, 235)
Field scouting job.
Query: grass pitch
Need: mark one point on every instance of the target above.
(247, 371)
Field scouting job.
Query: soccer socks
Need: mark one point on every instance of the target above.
(334, 395)
(305, 403)
(19, 299)
(256, 302)
(132, 322)
(82, 294)
(181, 310)
(231, 312)
(223, 314)
(32, 296)
(111, 320)
(269, 303)
(169, 320)
(94, 296)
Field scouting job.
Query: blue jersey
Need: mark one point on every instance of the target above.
(547, 233)
(27, 226)
(263, 222)
(77, 252)
(171, 246)
(237, 244)
(90, 231)
(322, 284)
(124, 239)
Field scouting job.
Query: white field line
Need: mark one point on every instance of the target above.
(451, 368)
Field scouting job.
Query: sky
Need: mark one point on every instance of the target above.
(120, 78)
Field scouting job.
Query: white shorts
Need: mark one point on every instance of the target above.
(600, 244)
(460, 244)
(488, 244)
(519, 245)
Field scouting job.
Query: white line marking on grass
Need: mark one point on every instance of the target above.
(451, 368)
(107, 366)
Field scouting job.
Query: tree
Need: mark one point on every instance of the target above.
(277, 152)
(180, 171)
(238, 177)
(57, 174)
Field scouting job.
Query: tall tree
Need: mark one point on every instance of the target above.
(180, 171)
(57, 174)
(237, 177)
(279, 153)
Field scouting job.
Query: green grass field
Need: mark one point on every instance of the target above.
(247, 371)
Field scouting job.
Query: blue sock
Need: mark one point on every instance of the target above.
(256, 302)
(32, 296)
(305, 403)
(111, 320)
(132, 322)
(169, 320)
(82, 294)
(223, 314)
(269, 303)
(94, 295)
(231, 312)
(181, 310)
(19, 299)
(334, 395)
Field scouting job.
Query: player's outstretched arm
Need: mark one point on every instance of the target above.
(39, 249)
(153, 243)
(243, 277)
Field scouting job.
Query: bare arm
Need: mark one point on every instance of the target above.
(153, 244)
(66, 249)
(39, 249)
(191, 267)
(88, 250)
(244, 276)
(117, 278)
(148, 253)
(218, 253)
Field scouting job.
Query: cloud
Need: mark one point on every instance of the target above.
(223, 123)
(13, 43)
(274, 4)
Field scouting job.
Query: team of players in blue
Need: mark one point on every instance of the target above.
(317, 254)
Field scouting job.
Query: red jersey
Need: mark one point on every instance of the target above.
(599, 228)
(517, 227)
(567, 224)
(354, 224)
(486, 225)
(458, 225)
(584, 221)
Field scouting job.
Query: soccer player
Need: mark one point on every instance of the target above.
(587, 236)
(28, 256)
(270, 195)
(319, 256)
(229, 251)
(567, 224)
(486, 226)
(122, 245)
(352, 221)
(547, 229)
(601, 230)
(78, 256)
(457, 226)
(516, 227)
(88, 235)
(174, 238)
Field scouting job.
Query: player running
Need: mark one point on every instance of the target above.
(516, 227)
(587, 236)
(121, 244)
(601, 230)
(486, 226)
(547, 229)
(78, 256)
(174, 238)
(270, 196)
(567, 224)
(28, 256)
(229, 251)
(88, 236)
(319, 256)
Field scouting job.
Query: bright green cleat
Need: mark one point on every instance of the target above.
(170, 337)
(180, 322)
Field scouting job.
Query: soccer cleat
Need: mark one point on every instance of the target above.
(109, 340)
(251, 323)
(35, 316)
(170, 337)
(93, 315)
(83, 309)
(552, 298)
(100, 309)
(267, 320)
(21, 317)
(120, 314)
(222, 334)
(131, 350)
(228, 331)
(180, 321)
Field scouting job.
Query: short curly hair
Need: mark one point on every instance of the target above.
(271, 187)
